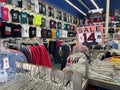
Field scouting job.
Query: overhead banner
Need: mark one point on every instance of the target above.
(90, 34)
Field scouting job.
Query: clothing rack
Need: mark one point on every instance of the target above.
(70, 76)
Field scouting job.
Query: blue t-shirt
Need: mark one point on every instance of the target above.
(113, 44)
(57, 34)
(12, 58)
(24, 16)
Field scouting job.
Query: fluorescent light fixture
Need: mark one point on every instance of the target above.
(95, 10)
(96, 5)
(75, 7)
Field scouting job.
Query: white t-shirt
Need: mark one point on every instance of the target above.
(38, 32)
(25, 4)
(62, 25)
(33, 8)
(47, 23)
(37, 8)
(47, 14)
(25, 30)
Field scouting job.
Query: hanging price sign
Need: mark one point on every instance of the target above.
(90, 34)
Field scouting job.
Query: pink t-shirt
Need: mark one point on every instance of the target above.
(5, 11)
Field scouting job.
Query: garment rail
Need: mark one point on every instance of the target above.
(67, 78)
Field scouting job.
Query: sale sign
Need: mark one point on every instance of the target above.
(90, 34)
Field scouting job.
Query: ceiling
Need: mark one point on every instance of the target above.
(63, 5)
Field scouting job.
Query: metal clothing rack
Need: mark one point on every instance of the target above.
(70, 76)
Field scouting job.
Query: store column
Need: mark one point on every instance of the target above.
(107, 18)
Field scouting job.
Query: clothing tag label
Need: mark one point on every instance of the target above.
(6, 63)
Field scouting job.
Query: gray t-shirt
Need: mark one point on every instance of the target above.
(15, 2)
(47, 23)
(9, 1)
(24, 4)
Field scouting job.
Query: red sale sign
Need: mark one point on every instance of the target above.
(90, 34)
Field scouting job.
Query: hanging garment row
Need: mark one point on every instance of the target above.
(26, 31)
(34, 53)
(47, 77)
(8, 69)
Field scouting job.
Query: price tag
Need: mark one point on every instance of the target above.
(6, 63)
(90, 37)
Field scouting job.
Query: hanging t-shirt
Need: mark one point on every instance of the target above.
(23, 17)
(49, 10)
(43, 22)
(25, 31)
(38, 32)
(57, 33)
(71, 27)
(37, 8)
(9, 1)
(47, 23)
(54, 33)
(15, 2)
(52, 23)
(49, 33)
(65, 26)
(24, 4)
(2, 0)
(44, 9)
(15, 15)
(62, 25)
(47, 13)
(44, 33)
(7, 30)
(40, 7)
(32, 32)
(37, 20)
(0, 11)
(30, 19)
(33, 7)
(19, 3)
(68, 27)
(5, 12)
(59, 25)
(1, 29)
(16, 31)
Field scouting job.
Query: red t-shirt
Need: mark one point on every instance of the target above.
(2, 0)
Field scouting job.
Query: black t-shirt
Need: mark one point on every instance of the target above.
(40, 8)
(111, 30)
(71, 34)
(49, 34)
(59, 25)
(20, 3)
(32, 32)
(44, 33)
(1, 29)
(49, 11)
(15, 15)
(16, 30)
(7, 29)
(43, 22)
(64, 17)
(30, 19)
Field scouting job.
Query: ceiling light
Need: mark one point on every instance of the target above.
(96, 5)
(75, 7)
